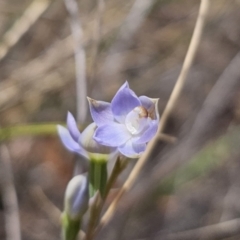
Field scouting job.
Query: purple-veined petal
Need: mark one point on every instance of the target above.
(69, 142)
(123, 102)
(151, 104)
(128, 150)
(72, 127)
(150, 132)
(112, 135)
(101, 112)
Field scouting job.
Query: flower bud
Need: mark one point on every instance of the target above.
(76, 197)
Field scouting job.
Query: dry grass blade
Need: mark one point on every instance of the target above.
(80, 60)
(15, 87)
(98, 37)
(129, 27)
(217, 231)
(22, 25)
(9, 196)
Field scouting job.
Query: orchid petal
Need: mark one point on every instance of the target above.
(101, 112)
(149, 133)
(69, 142)
(123, 102)
(90, 144)
(151, 104)
(112, 135)
(128, 150)
(155, 100)
(146, 102)
(139, 148)
(72, 127)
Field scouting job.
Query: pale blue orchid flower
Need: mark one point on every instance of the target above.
(127, 123)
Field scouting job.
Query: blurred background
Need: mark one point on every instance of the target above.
(144, 42)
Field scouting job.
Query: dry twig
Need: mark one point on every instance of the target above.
(129, 27)
(98, 37)
(48, 207)
(9, 196)
(80, 60)
(216, 231)
(35, 74)
(22, 25)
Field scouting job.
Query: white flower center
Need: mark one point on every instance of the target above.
(136, 120)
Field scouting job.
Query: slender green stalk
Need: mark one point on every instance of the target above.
(70, 228)
(38, 129)
(97, 176)
(25, 130)
(97, 206)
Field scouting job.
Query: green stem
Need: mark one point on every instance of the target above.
(70, 228)
(97, 176)
(97, 206)
(24, 130)
(38, 129)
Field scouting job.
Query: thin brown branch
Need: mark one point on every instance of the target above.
(95, 210)
(119, 166)
(36, 73)
(22, 25)
(46, 205)
(196, 38)
(97, 38)
(216, 231)
(14, 88)
(80, 60)
(129, 27)
(167, 138)
(173, 98)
